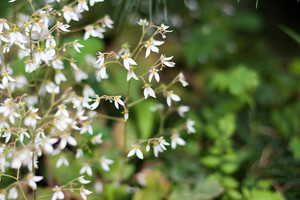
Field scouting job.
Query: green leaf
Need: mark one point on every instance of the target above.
(264, 195)
(295, 36)
(294, 147)
(210, 161)
(145, 118)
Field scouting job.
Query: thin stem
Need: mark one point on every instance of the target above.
(110, 117)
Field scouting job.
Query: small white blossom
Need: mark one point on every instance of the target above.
(96, 103)
(63, 27)
(76, 46)
(22, 133)
(143, 22)
(97, 139)
(83, 181)
(151, 45)
(182, 110)
(6, 78)
(148, 91)
(189, 126)
(32, 117)
(117, 101)
(131, 74)
(176, 140)
(105, 163)
(84, 192)
(108, 22)
(4, 24)
(182, 80)
(92, 2)
(100, 60)
(136, 150)
(86, 169)
(166, 61)
(62, 111)
(66, 138)
(171, 96)
(153, 72)
(82, 4)
(32, 179)
(127, 61)
(58, 194)
(62, 160)
(13, 193)
(69, 14)
(88, 91)
(79, 153)
(59, 77)
(30, 66)
(52, 88)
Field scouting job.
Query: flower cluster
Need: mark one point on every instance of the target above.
(42, 115)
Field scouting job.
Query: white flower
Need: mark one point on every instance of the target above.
(59, 77)
(80, 75)
(136, 150)
(32, 179)
(108, 22)
(101, 74)
(127, 61)
(96, 103)
(4, 24)
(153, 72)
(13, 193)
(69, 14)
(6, 48)
(82, 5)
(189, 126)
(126, 114)
(58, 194)
(30, 66)
(163, 30)
(162, 143)
(92, 2)
(151, 45)
(32, 117)
(76, 46)
(131, 74)
(156, 148)
(79, 153)
(22, 133)
(100, 59)
(62, 160)
(7, 136)
(2, 194)
(84, 192)
(47, 143)
(98, 187)
(62, 111)
(182, 80)
(50, 41)
(176, 140)
(86, 127)
(40, 133)
(57, 64)
(89, 31)
(63, 27)
(143, 22)
(73, 64)
(97, 139)
(88, 91)
(182, 110)
(117, 100)
(171, 96)
(83, 181)
(52, 88)
(6, 78)
(105, 163)
(148, 91)
(86, 169)
(66, 138)
(166, 61)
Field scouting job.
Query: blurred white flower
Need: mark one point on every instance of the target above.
(176, 140)
(105, 163)
(136, 150)
(171, 96)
